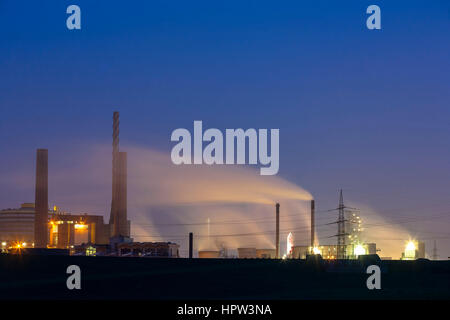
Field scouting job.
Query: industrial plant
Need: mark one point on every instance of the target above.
(36, 228)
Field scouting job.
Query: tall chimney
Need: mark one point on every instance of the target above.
(41, 199)
(313, 240)
(191, 244)
(277, 232)
(115, 154)
(120, 219)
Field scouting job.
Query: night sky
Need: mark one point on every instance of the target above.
(363, 110)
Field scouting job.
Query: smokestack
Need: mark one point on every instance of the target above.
(115, 153)
(41, 199)
(120, 220)
(191, 244)
(312, 224)
(277, 232)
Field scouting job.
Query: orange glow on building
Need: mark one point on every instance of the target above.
(79, 226)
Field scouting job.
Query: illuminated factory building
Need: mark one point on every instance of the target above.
(330, 251)
(35, 228)
(67, 230)
(63, 230)
(414, 250)
(17, 225)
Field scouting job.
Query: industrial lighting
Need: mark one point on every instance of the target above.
(24, 244)
(411, 246)
(290, 243)
(80, 226)
(359, 250)
(316, 250)
(410, 250)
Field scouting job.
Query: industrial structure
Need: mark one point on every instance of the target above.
(149, 249)
(41, 199)
(62, 230)
(313, 227)
(414, 250)
(211, 254)
(17, 225)
(35, 226)
(277, 231)
(331, 251)
(120, 226)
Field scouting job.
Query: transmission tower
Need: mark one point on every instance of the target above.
(342, 232)
(341, 247)
(435, 254)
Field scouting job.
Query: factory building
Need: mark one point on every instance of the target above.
(33, 224)
(68, 230)
(266, 253)
(414, 250)
(243, 253)
(149, 249)
(208, 254)
(63, 230)
(17, 225)
(330, 251)
(247, 253)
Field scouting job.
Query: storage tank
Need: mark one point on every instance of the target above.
(208, 254)
(245, 253)
(266, 253)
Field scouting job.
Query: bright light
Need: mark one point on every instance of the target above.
(80, 226)
(411, 246)
(290, 243)
(410, 250)
(3, 244)
(359, 250)
(316, 250)
(24, 244)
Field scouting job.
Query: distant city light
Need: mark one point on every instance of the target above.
(316, 250)
(80, 226)
(3, 244)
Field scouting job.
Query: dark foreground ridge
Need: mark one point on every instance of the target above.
(44, 277)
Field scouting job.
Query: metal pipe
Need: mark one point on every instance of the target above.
(191, 244)
(277, 232)
(313, 224)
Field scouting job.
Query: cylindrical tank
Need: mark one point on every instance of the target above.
(208, 254)
(244, 253)
(266, 253)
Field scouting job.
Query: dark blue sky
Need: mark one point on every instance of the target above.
(364, 110)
